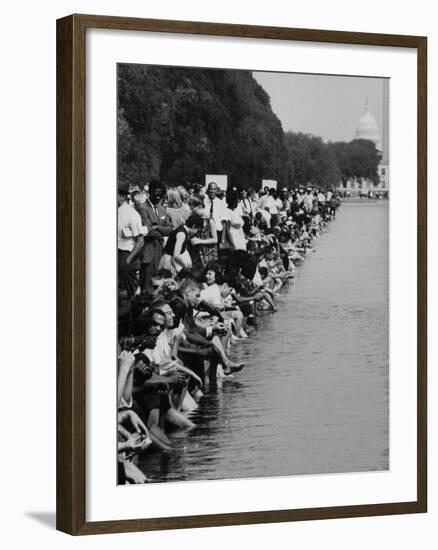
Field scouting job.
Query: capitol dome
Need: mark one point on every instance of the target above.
(367, 129)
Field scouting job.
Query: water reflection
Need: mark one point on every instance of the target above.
(314, 395)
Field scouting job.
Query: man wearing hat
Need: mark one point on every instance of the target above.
(129, 241)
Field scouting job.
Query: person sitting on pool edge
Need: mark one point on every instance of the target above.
(205, 334)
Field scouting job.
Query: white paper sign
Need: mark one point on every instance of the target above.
(272, 184)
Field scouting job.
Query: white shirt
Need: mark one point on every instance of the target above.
(128, 227)
(212, 295)
(161, 350)
(247, 207)
(238, 209)
(257, 279)
(263, 201)
(271, 203)
(219, 211)
(308, 201)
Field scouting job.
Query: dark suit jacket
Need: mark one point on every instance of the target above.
(159, 225)
(193, 327)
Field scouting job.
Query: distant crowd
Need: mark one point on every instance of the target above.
(196, 268)
(365, 194)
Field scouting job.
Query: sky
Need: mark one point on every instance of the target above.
(323, 105)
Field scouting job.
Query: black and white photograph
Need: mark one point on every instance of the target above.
(253, 274)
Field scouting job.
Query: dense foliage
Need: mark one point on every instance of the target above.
(178, 124)
(357, 159)
(311, 161)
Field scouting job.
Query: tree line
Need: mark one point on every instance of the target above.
(178, 124)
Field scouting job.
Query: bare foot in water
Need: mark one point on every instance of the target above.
(231, 367)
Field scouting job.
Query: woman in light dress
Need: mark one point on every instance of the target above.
(235, 237)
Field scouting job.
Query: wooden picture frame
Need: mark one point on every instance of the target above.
(71, 273)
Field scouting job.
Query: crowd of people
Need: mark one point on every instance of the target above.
(196, 268)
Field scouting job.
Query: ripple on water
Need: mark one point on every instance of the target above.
(313, 397)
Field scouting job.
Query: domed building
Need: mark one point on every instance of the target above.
(367, 128)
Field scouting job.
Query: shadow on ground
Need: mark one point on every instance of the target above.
(46, 518)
